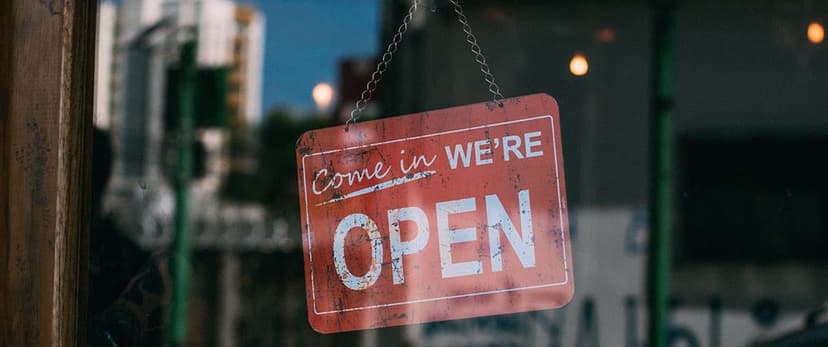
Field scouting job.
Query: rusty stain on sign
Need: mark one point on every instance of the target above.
(446, 214)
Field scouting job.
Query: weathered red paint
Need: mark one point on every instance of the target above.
(363, 173)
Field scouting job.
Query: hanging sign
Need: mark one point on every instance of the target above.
(445, 214)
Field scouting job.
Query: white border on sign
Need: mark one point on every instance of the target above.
(560, 217)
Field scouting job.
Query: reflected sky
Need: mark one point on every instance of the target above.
(306, 38)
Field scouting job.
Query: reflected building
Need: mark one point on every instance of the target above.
(245, 79)
(354, 74)
(137, 101)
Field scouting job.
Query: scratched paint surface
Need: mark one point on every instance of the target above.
(446, 214)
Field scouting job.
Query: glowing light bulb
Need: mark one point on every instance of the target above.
(578, 65)
(322, 95)
(816, 32)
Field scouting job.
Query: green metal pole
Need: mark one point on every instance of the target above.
(661, 183)
(181, 244)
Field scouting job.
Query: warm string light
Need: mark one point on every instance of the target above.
(322, 95)
(816, 32)
(578, 65)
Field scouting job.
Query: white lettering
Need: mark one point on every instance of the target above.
(418, 160)
(465, 156)
(529, 144)
(349, 279)
(400, 248)
(479, 152)
(450, 236)
(337, 179)
(498, 219)
(514, 147)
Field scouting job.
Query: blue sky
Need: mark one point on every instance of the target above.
(304, 41)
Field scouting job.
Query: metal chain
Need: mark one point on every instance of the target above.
(478, 53)
(382, 66)
(371, 87)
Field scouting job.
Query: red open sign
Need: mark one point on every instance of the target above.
(445, 214)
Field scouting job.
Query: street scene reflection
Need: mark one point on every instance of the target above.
(691, 136)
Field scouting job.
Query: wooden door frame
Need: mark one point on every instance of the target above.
(47, 60)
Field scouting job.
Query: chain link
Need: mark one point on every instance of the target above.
(478, 53)
(371, 87)
(382, 66)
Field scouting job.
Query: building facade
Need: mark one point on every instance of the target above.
(245, 78)
(136, 101)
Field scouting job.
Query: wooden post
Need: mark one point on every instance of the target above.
(47, 50)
